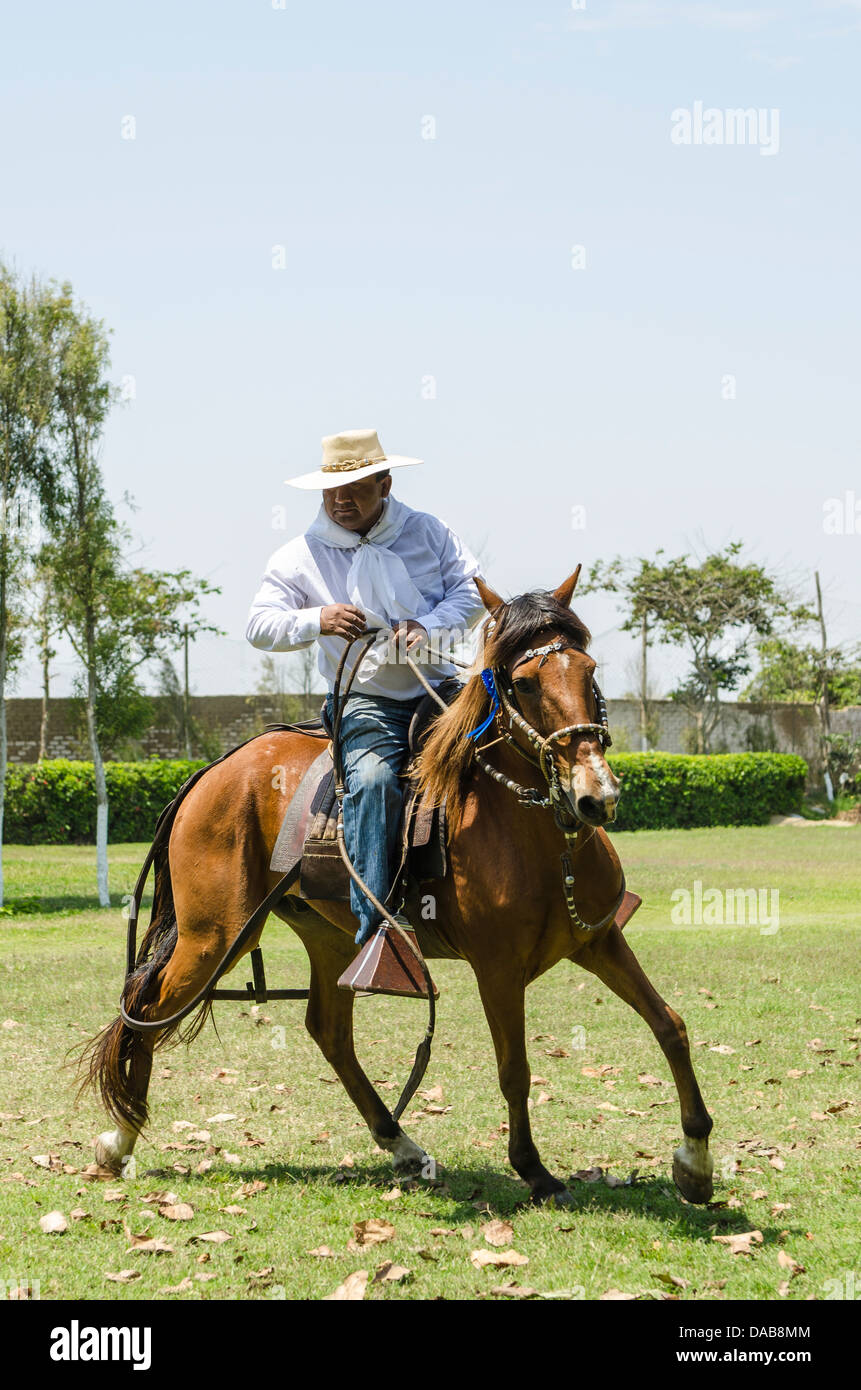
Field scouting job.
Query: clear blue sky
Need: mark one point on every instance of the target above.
(408, 258)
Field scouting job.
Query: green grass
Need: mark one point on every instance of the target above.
(769, 998)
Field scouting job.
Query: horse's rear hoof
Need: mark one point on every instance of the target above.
(113, 1150)
(692, 1171)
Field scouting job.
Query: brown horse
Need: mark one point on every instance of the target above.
(502, 907)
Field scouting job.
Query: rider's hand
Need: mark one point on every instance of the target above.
(410, 632)
(341, 620)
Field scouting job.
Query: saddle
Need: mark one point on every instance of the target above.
(308, 831)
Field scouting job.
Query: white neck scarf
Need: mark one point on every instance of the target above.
(378, 581)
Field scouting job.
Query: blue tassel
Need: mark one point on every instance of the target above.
(490, 686)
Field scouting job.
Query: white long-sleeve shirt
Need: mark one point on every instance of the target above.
(306, 575)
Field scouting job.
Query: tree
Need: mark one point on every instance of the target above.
(818, 674)
(290, 680)
(192, 627)
(790, 673)
(25, 409)
(116, 617)
(644, 692)
(712, 608)
(83, 552)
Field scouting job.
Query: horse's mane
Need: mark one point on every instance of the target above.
(447, 756)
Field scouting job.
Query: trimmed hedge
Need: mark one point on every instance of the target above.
(54, 803)
(668, 791)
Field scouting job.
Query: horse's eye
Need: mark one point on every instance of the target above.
(525, 685)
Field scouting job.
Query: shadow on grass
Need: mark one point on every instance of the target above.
(465, 1195)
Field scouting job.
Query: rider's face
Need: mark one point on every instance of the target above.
(356, 506)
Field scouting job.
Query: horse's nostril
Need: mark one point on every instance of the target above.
(590, 809)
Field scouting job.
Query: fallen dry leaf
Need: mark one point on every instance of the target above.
(250, 1189)
(176, 1211)
(389, 1273)
(214, 1237)
(616, 1296)
(497, 1233)
(94, 1172)
(587, 1175)
(482, 1259)
(322, 1252)
(352, 1290)
(123, 1276)
(373, 1231)
(741, 1243)
(147, 1245)
(185, 1286)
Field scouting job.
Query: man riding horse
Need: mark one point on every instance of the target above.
(368, 561)
(531, 877)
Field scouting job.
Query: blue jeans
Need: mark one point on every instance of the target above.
(374, 733)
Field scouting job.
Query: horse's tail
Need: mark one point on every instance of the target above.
(115, 1063)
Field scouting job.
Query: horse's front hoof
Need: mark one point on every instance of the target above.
(409, 1160)
(693, 1167)
(559, 1197)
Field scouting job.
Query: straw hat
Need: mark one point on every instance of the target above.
(347, 458)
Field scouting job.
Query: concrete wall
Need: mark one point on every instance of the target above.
(225, 720)
(742, 727)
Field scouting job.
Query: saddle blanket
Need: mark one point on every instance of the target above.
(308, 832)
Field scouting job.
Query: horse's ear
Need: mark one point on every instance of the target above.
(490, 599)
(565, 591)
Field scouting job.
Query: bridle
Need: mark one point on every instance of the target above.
(501, 684)
(503, 692)
(543, 744)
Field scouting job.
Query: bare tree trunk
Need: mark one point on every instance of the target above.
(4, 748)
(98, 775)
(44, 637)
(186, 698)
(822, 702)
(644, 710)
(3, 744)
